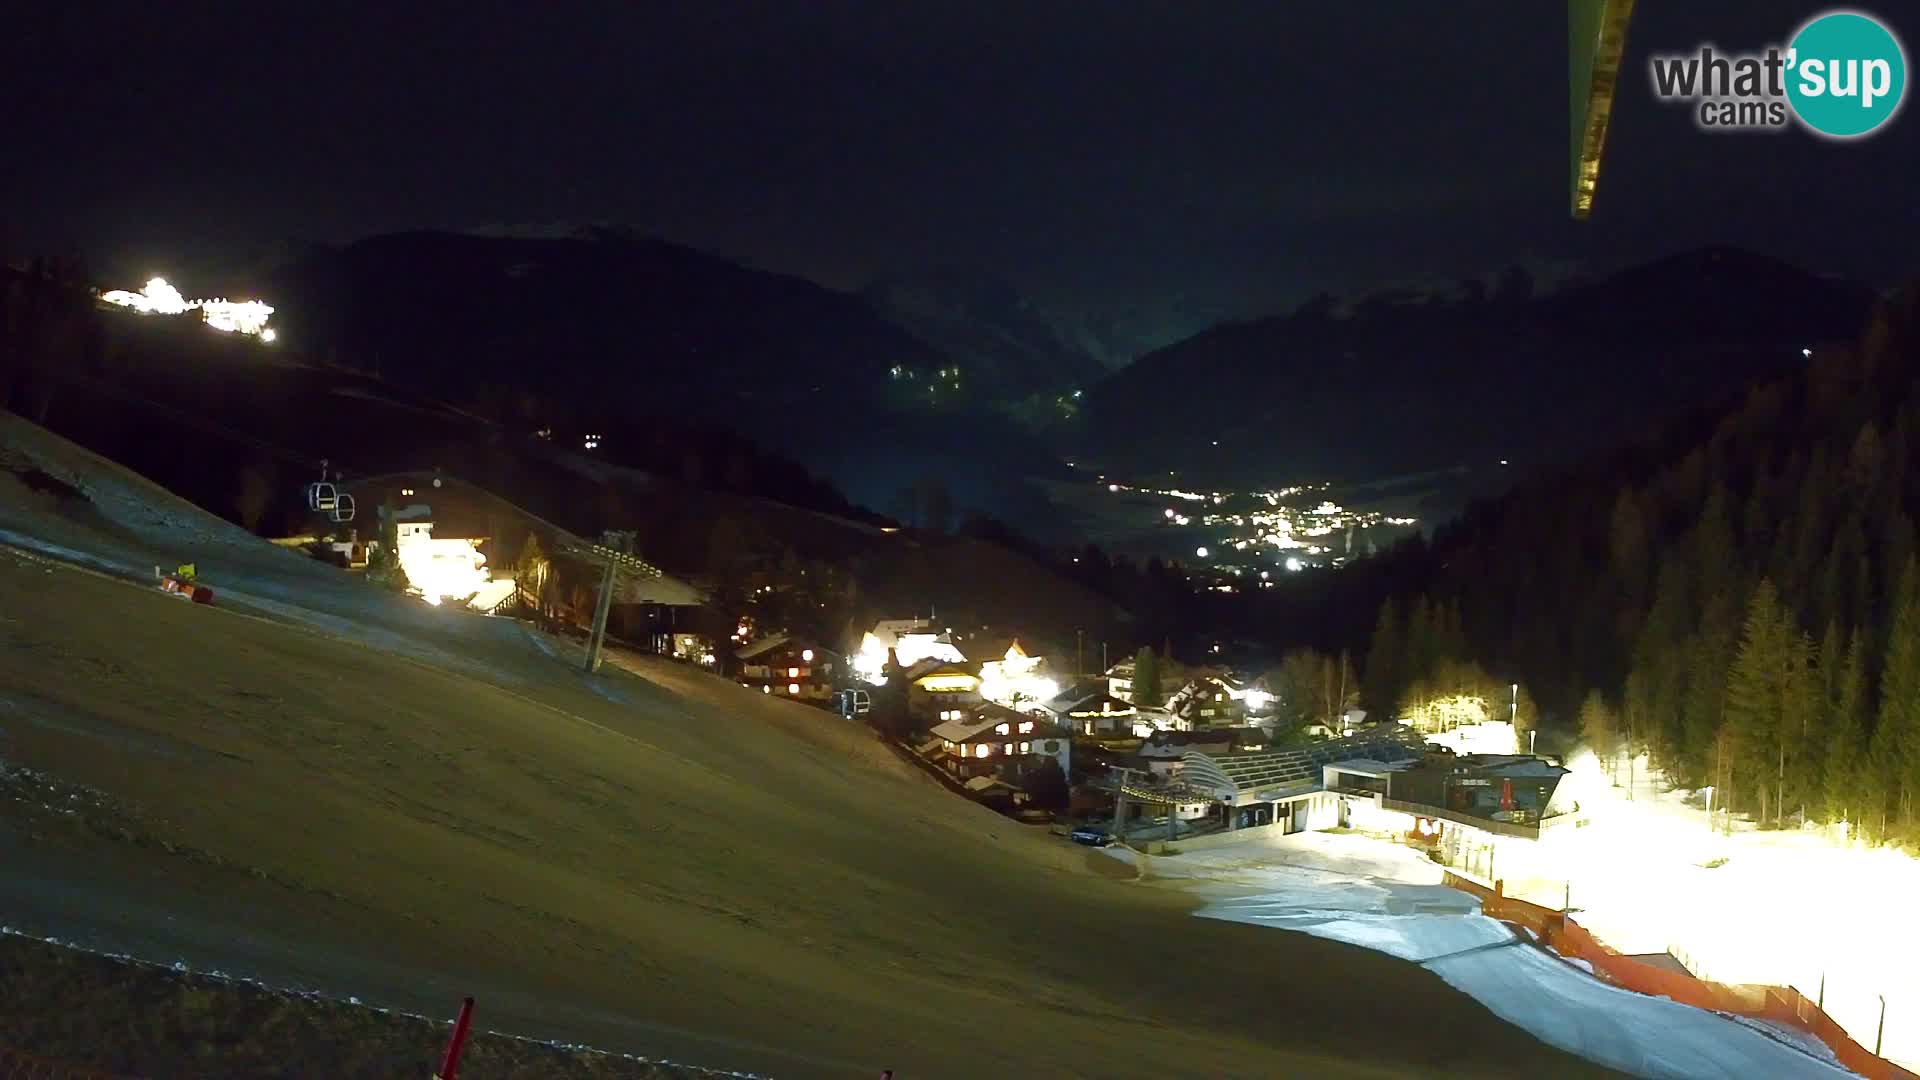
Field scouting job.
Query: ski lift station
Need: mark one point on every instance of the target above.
(461, 544)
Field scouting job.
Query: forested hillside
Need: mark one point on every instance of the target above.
(1741, 600)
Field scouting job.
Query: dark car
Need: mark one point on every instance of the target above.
(1092, 836)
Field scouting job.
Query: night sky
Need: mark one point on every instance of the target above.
(1229, 157)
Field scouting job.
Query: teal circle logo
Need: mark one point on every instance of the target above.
(1847, 74)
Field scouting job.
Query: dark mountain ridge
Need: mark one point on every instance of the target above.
(603, 327)
(1403, 382)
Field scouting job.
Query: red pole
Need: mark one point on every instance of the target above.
(451, 1063)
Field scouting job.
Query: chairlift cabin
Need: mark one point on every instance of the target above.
(321, 496)
(342, 508)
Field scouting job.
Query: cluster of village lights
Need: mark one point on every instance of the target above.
(1279, 525)
(234, 317)
(1013, 680)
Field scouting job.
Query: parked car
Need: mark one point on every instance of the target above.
(1092, 836)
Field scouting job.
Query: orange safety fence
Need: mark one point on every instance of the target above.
(1780, 1005)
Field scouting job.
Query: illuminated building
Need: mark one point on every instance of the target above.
(998, 743)
(157, 297)
(788, 666)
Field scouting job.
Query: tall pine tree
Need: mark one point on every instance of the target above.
(1756, 696)
(1896, 736)
(1383, 677)
(1846, 784)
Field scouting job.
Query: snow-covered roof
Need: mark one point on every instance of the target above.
(1085, 697)
(1371, 767)
(1530, 768)
(967, 728)
(889, 630)
(987, 783)
(933, 665)
(765, 644)
(1277, 773)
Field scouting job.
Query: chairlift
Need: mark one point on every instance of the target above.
(321, 496)
(342, 506)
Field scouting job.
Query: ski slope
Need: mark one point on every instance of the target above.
(1387, 897)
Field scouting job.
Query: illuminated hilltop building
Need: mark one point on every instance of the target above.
(232, 316)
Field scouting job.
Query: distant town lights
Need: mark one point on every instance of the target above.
(1295, 565)
(1201, 552)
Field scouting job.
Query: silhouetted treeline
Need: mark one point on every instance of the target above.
(1742, 595)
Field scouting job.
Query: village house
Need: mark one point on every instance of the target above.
(1206, 701)
(1473, 810)
(995, 741)
(1089, 709)
(908, 641)
(789, 666)
(940, 690)
(1016, 679)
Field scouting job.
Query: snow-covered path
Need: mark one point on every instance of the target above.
(1385, 897)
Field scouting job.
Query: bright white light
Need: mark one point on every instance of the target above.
(244, 317)
(1503, 461)
(1169, 512)
(444, 569)
(1491, 737)
(1113, 487)
(807, 655)
(157, 298)
(793, 689)
(766, 689)
(1295, 565)
(1201, 552)
(1015, 679)
(1264, 575)
(160, 298)
(1808, 353)
(909, 649)
(269, 334)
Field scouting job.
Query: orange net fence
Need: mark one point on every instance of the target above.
(1782, 1005)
